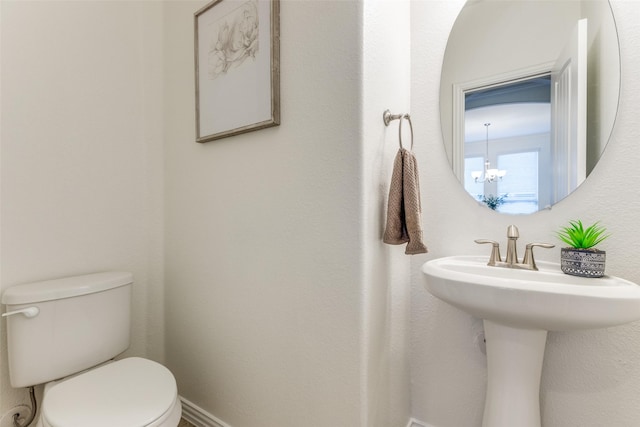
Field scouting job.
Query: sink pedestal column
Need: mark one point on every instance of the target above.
(514, 364)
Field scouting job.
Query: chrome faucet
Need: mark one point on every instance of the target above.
(511, 261)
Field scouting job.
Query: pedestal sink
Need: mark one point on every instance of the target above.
(518, 307)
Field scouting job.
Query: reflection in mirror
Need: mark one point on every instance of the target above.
(528, 98)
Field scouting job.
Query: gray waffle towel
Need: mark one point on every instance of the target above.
(404, 212)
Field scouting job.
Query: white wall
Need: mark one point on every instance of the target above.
(386, 73)
(282, 304)
(82, 152)
(590, 378)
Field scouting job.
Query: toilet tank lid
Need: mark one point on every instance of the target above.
(66, 287)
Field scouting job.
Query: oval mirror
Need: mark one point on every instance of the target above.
(528, 98)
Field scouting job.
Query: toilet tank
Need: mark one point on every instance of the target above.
(81, 322)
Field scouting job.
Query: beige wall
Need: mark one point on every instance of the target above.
(262, 260)
(283, 307)
(81, 152)
(590, 378)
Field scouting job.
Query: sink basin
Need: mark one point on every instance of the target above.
(546, 299)
(518, 307)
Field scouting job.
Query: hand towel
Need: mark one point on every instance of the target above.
(404, 210)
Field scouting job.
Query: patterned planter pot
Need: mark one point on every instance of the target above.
(582, 262)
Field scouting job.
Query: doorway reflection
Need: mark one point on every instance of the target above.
(519, 143)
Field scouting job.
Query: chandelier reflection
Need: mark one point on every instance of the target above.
(489, 174)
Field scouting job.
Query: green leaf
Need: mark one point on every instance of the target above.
(579, 237)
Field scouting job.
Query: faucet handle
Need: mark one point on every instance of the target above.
(495, 251)
(528, 254)
(512, 232)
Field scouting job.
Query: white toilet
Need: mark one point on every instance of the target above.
(64, 333)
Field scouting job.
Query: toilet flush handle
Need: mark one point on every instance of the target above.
(28, 312)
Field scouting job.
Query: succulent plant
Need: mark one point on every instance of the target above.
(577, 236)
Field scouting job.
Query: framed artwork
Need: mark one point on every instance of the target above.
(237, 64)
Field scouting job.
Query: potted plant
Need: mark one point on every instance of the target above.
(582, 258)
(492, 201)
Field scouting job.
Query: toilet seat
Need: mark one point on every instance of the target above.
(132, 392)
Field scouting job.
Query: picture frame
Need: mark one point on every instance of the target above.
(237, 67)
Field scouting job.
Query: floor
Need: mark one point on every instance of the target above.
(184, 423)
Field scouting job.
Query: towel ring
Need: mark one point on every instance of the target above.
(408, 117)
(388, 117)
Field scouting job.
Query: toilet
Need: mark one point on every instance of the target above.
(65, 333)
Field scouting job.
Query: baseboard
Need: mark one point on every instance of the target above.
(201, 418)
(415, 423)
(198, 416)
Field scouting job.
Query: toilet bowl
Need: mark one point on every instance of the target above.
(65, 333)
(131, 392)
